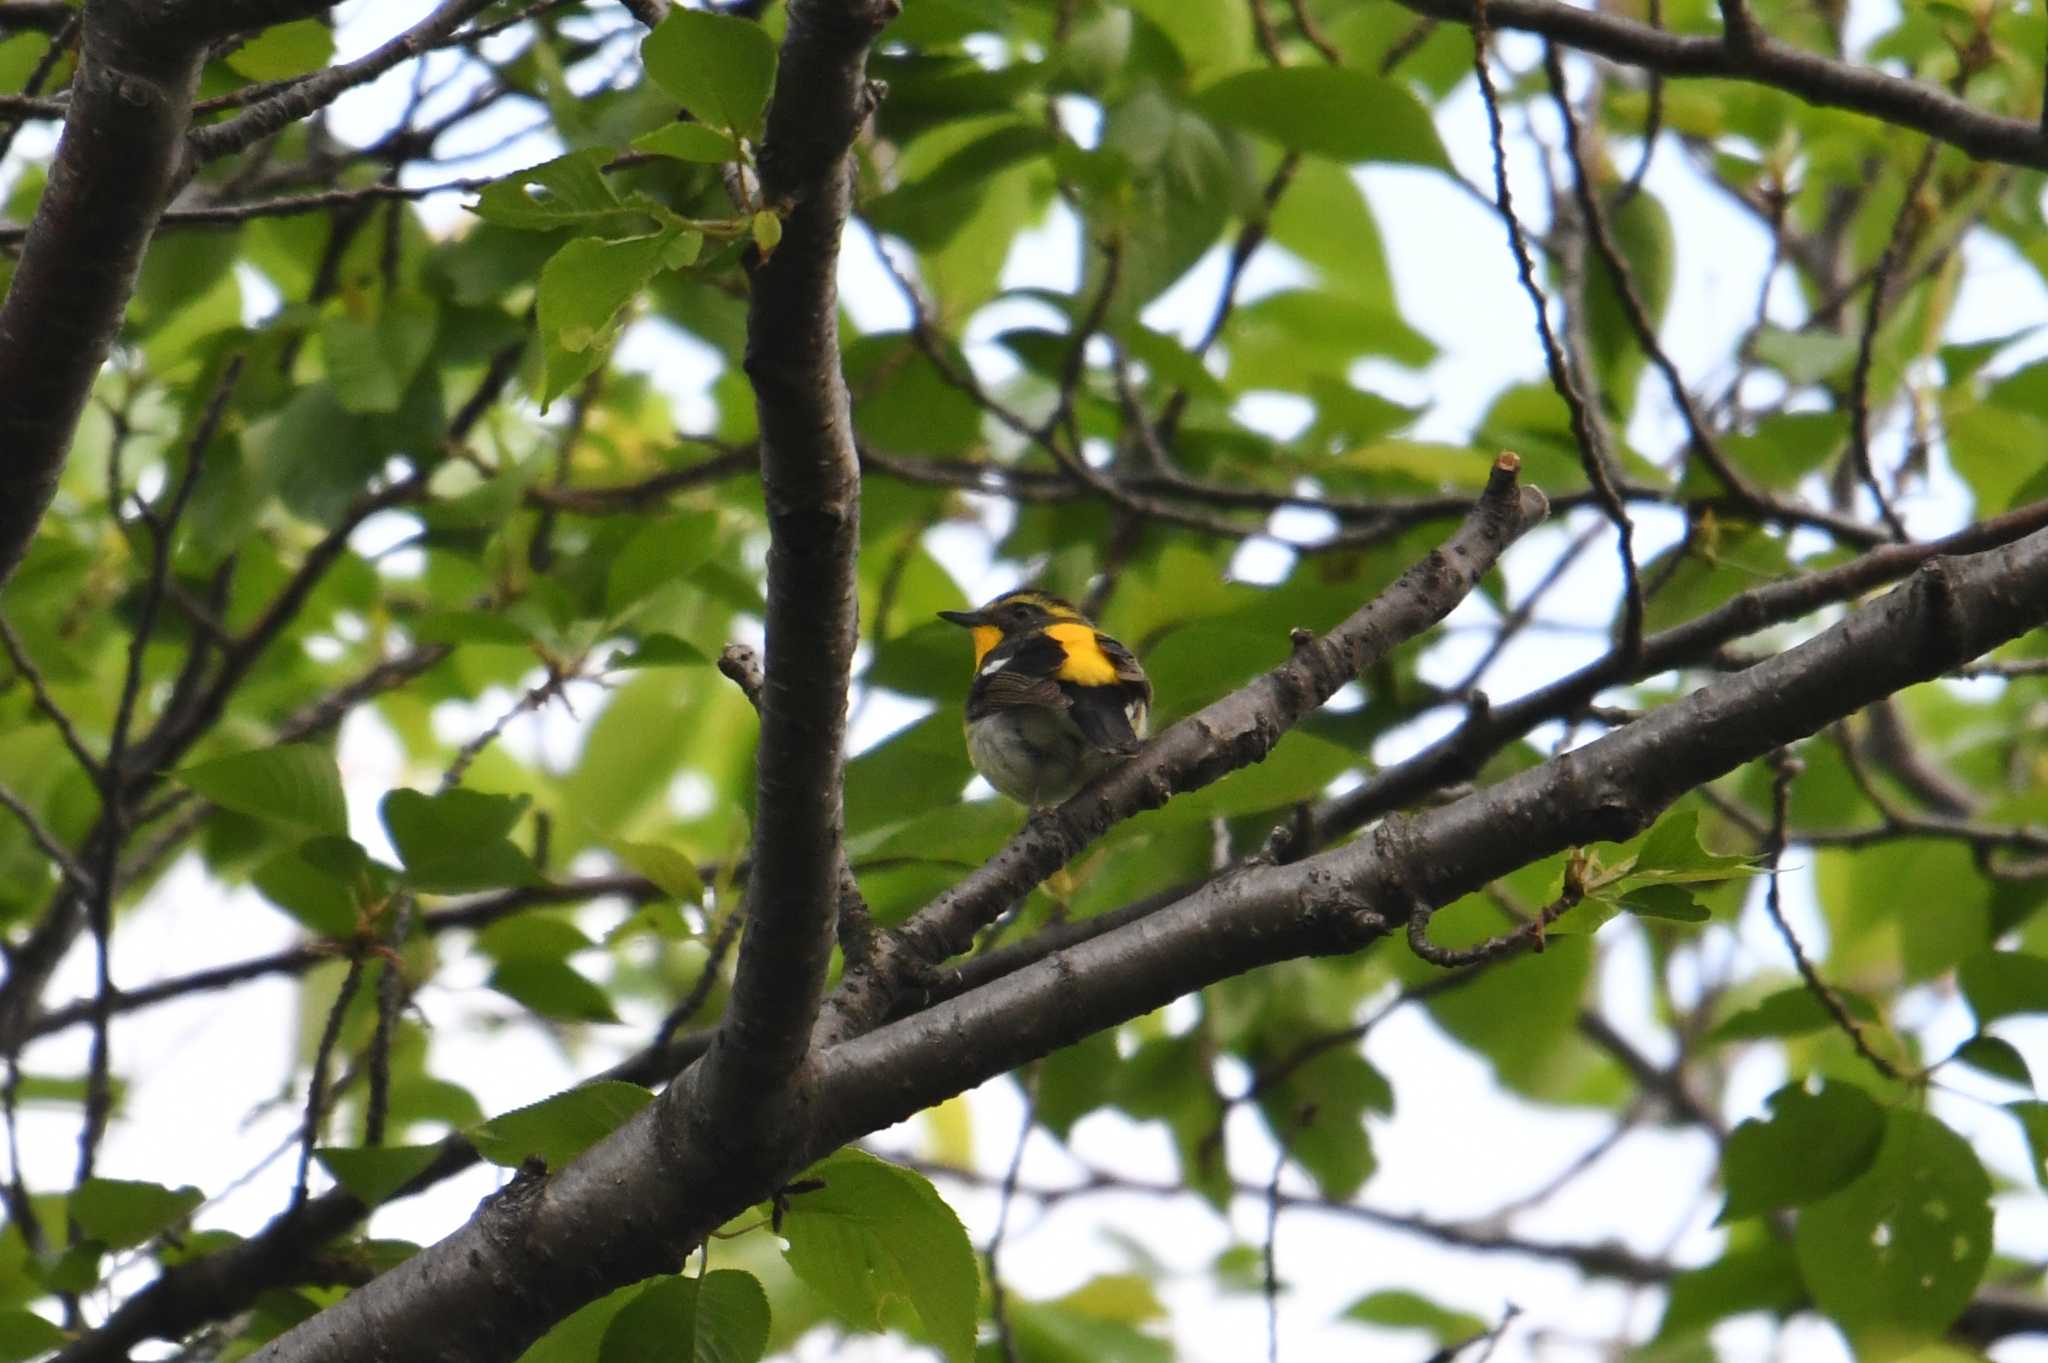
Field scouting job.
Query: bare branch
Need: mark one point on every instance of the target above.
(1766, 61)
(810, 482)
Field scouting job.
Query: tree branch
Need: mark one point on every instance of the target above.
(810, 482)
(1756, 56)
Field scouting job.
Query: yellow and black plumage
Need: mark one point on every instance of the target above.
(1055, 701)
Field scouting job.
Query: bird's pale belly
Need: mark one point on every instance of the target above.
(1035, 756)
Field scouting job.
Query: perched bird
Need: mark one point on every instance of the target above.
(1055, 702)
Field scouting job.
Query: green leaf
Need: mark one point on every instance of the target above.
(1641, 231)
(1329, 111)
(674, 874)
(470, 627)
(120, 1213)
(2003, 984)
(721, 1317)
(374, 1173)
(688, 142)
(1672, 851)
(25, 1335)
(766, 229)
(657, 650)
(1753, 1274)
(1901, 1249)
(569, 191)
(2032, 1116)
(1396, 1309)
(1318, 1115)
(584, 290)
(1672, 902)
(878, 1234)
(718, 67)
(311, 890)
(1996, 1057)
(455, 841)
(1805, 357)
(1793, 1011)
(525, 936)
(667, 550)
(293, 783)
(1812, 1145)
(371, 362)
(283, 50)
(560, 1128)
(553, 989)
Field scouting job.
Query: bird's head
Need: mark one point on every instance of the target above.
(1023, 611)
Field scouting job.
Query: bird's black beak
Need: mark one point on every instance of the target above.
(967, 619)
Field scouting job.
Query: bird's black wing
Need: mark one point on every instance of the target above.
(1018, 671)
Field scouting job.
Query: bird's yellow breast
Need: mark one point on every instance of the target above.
(1086, 664)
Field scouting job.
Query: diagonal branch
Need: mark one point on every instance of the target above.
(641, 1199)
(1233, 732)
(1755, 56)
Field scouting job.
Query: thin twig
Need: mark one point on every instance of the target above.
(1592, 448)
(1866, 345)
(999, 1308)
(1787, 768)
(49, 844)
(316, 1086)
(24, 666)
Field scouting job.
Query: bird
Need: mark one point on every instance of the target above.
(1055, 702)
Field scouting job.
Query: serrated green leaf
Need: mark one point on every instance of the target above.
(560, 1128)
(374, 1173)
(293, 783)
(689, 142)
(1672, 902)
(1901, 1249)
(569, 191)
(876, 1234)
(455, 841)
(718, 67)
(721, 1317)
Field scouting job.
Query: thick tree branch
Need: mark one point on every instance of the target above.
(638, 1201)
(1756, 56)
(1458, 755)
(810, 482)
